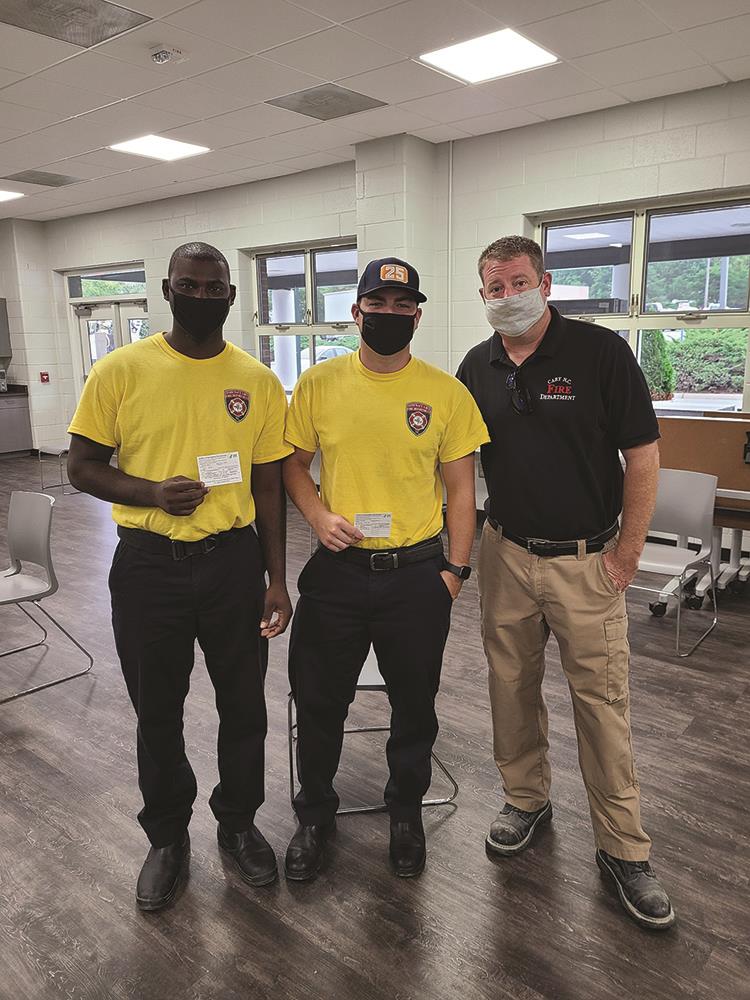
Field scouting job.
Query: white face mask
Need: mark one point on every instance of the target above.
(515, 314)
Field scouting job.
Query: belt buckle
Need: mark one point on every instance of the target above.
(532, 542)
(392, 556)
(208, 544)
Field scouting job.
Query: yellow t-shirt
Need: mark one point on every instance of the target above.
(161, 410)
(381, 438)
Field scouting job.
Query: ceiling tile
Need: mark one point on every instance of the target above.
(594, 28)
(9, 133)
(333, 54)
(424, 25)
(512, 13)
(325, 137)
(311, 162)
(248, 26)
(9, 76)
(345, 10)
(500, 121)
(671, 83)
(201, 53)
(441, 133)
(722, 40)
(158, 8)
(388, 121)
(213, 132)
(193, 99)
(403, 81)
(26, 52)
(111, 77)
(50, 97)
(679, 14)
(123, 121)
(267, 150)
(80, 166)
(259, 121)
(25, 119)
(735, 69)
(630, 62)
(578, 104)
(455, 105)
(258, 79)
(548, 82)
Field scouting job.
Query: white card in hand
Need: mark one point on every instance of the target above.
(374, 525)
(219, 470)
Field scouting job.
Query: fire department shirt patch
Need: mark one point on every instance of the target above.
(237, 403)
(418, 416)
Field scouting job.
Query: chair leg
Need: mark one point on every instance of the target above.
(31, 645)
(713, 624)
(291, 726)
(448, 798)
(60, 680)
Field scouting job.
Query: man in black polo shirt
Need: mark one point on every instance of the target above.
(561, 400)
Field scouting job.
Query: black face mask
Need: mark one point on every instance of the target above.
(387, 333)
(198, 317)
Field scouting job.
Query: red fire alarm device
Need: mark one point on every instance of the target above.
(44, 376)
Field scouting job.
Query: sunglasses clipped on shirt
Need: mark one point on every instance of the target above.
(520, 397)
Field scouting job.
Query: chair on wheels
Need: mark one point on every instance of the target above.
(685, 508)
(369, 680)
(29, 527)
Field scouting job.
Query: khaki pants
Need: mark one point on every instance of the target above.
(523, 598)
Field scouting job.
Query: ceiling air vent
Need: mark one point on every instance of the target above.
(85, 22)
(326, 102)
(42, 178)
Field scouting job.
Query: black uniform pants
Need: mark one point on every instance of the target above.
(344, 607)
(159, 608)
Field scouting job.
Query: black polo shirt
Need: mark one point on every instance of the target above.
(555, 472)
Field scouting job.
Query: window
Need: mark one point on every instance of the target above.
(312, 287)
(698, 260)
(590, 265)
(289, 356)
(107, 284)
(676, 283)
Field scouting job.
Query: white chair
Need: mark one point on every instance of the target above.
(57, 452)
(369, 680)
(685, 508)
(29, 527)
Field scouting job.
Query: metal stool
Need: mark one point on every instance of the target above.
(370, 680)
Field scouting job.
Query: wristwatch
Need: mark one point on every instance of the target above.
(462, 572)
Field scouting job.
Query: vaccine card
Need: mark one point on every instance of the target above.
(374, 525)
(219, 470)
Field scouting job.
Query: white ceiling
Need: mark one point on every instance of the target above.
(61, 105)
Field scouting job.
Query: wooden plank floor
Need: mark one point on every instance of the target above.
(540, 926)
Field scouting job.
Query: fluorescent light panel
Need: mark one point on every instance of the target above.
(587, 236)
(157, 147)
(9, 195)
(489, 57)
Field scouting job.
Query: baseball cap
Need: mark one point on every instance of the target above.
(389, 272)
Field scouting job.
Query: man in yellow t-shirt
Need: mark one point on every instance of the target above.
(198, 425)
(387, 426)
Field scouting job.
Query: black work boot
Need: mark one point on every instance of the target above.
(407, 848)
(252, 854)
(641, 896)
(513, 828)
(304, 855)
(160, 875)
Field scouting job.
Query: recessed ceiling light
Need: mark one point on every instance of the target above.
(488, 57)
(587, 236)
(615, 244)
(9, 195)
(157, 147)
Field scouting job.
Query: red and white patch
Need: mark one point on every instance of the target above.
(418, 416)
(237, 403)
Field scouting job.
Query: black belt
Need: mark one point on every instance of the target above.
(160, 545)
(544, 547)
(382, 560)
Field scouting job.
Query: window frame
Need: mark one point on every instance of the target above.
(311, 326)
(637, 319)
